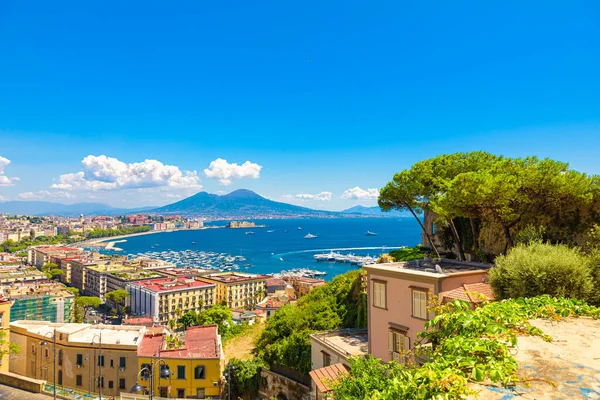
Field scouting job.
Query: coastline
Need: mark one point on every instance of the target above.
(106, 241)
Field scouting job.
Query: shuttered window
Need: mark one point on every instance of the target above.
(379, 294)
(419, 301)
(398, 345)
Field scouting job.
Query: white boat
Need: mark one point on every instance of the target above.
(249, 233)
(310, 236)
(299, 228)
(369, 233)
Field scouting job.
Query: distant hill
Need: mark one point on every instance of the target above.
(241, 203)
(375, 211)
(48, 208)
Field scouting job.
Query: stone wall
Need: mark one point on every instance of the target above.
(274, 385)
(21, 382)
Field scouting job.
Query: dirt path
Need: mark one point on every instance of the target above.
(241, 347)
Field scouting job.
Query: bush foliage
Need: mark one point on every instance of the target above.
(537, 268)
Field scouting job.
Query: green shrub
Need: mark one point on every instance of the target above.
(542, 268)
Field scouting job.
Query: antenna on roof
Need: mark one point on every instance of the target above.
(438, 269)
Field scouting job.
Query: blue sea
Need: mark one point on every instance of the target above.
(272, 252)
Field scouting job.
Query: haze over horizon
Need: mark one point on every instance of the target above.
(312, 104)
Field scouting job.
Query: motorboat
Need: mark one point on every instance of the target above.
(310, 236)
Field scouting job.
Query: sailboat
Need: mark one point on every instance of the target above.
(310, 236)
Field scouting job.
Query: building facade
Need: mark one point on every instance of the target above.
(163, 299)
(398, 297)
(238, 289)
(5, 306)
(195, 362)
(88, 357)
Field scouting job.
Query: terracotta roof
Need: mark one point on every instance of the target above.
(325, 377)
(138, 320)
(200, 342)
(171, 284)
(470, 292)
(276, 282)
(271, 304)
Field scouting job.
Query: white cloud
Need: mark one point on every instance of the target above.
(5, 180)
(323, 196)
(356, 193)
(227, 172)
(107, 173)
(45, 195)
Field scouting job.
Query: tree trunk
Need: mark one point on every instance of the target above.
(475, 236)
(424, 231)
(461, 251)
(509, 240)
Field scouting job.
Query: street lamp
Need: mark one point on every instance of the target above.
(45, 343)
(229, 379)
(100, 357)
(163, 373)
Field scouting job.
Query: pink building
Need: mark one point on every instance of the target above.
(398, 294)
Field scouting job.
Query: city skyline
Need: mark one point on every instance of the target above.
(311, 104)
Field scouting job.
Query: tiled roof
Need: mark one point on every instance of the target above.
(470, 292)
(200, 342)
(326, 377)
(171, 284)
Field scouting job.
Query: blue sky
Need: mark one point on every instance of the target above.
(318, 97)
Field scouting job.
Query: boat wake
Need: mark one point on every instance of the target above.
(337, 249)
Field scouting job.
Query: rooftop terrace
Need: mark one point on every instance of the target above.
(172, 284)
(198, 342)
(349, 342)
(434, 268)
(234, 277)
(85, 333)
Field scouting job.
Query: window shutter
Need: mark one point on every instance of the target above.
(406, 343)
(390, 341)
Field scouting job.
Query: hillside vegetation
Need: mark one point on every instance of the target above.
(340, 303)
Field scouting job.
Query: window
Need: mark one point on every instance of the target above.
(398, 343)
(419, 301)
(145, 374)
(111, 384)
(122, 362)
(379, 294)
(122, 383)
(100, 381)
(60, 357)
(78, 380)
(181, 372)
(2, 319)
(46, 352)
(101, 360)
(200, 393)
(79, 359)
(326, 359)
(200, 372)
(112, 363)
(33, 349)
(181, 393)
(60, 378)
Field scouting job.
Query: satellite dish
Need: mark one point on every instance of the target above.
(438, 269)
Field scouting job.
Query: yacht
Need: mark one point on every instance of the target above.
(249, 233)
(299, 228)
(369, 233)
(310, 236)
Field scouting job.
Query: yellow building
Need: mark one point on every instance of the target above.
(238, 289)
(4, 332)
(87, 356)
(195, 363)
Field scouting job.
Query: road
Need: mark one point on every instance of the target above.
(10, 393)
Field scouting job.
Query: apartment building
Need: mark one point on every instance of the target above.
(237, 289)
(116, 280)
(88, 357)
(162, 299)
(10, 274)
(41, 255)
(41, 301)
(195, 361)
(96, 277)
(398, 296)
(303, 285)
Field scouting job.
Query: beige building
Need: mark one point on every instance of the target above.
(5, 331)
(88, 357)
(96, 277)
(238, 289)
(302, 285)
(10, 274)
